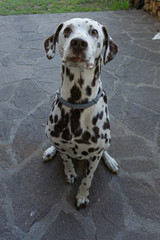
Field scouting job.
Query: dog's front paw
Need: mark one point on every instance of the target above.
(49, 154)
(82, 201)
(71, 178)
(110, 162)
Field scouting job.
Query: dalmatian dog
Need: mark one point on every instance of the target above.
(78, 125)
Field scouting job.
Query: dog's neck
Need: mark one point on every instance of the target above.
(81, 85)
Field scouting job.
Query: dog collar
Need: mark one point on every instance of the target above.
(79, 106)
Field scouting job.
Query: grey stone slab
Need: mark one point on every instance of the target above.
(137, 118)
(16, 73)
(5, 130)
(129, 146)
(153, 46)
(3, 216)
(10, 44)
(138, 165)
(141, 121)
(129, 48)
(157, 183)
(131, 71)
(158, 139)
(147, 96)
(5, 158)
(27, 95)
(118, 106)
(141, 235)
(142, 197)
(11, 113)
(108, 83)
(25, 56)
(6, 93)
(65, 227)
(34, 189)
(31, 133)
(7, 235)
(108, 215)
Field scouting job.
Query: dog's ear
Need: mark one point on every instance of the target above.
(111, 47)
(50, 43)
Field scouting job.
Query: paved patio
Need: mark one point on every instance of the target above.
(35, 201)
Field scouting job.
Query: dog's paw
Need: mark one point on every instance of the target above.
(81, 202)
(110, 163)
(71, 178)
(49, 154)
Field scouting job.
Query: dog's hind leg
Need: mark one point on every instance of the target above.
(69, 168)
(110, 162)
(49, 154)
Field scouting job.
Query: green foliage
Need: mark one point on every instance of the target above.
(8, 7)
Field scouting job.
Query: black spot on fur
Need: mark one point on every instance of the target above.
(101, 115)
(103, 136)
(60, 105)
(75, 122)
(81, 141)
(55, 118)
(61, 124)
(66, 135)
(69, 74)
(94, 158)
(95, 119)
(86, 136)
(63, 69)
(88, 90)
(96, 132)
(67, 71)
(62, 141)
(93, 149)
(94, 139)
(96, 76)
(51, 118)
(106, 125)
(81, 82)
(56, 144)
(105, 99)
(75, 94)
(52, 133)
(88, 171)
(106, 110)
(84, 153)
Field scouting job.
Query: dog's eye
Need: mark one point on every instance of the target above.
(94, 32)
(67, 30)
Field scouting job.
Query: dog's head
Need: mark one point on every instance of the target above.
(81, 42)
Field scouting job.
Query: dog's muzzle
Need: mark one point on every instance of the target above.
(77, 50)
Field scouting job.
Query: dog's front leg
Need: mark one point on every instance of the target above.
(69, 168)
(83, 192)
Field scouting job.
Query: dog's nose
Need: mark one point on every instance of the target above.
(78, 44)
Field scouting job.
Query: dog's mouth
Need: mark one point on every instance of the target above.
(77, 61)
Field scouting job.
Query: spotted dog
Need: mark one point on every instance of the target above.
(79, 125)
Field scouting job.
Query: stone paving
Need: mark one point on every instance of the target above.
(35, 201)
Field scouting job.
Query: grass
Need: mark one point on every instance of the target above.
(10, 7)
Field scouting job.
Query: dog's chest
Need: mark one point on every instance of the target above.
(79, 133)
